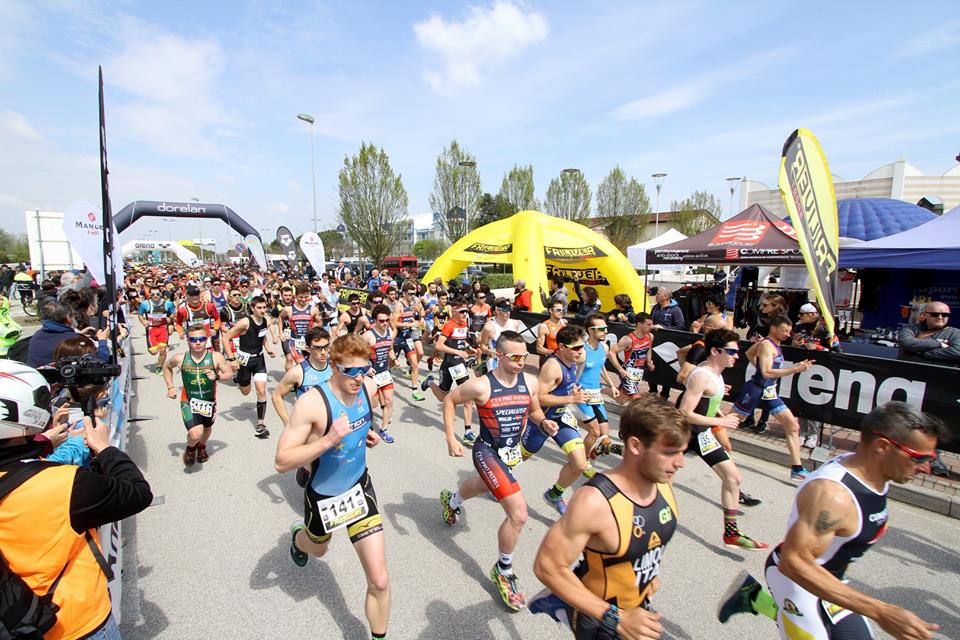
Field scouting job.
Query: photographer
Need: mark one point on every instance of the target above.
(59, 323)
(49, 522)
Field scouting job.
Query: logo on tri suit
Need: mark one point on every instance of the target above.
(878, 518)
(638, 523)
(648, 567)
(665, 515)
(790, 607)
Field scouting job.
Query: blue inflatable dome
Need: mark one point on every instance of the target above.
(872, 218)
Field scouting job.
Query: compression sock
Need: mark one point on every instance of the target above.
(764, 604)
(505, 563)
(557, 491)
(261, 410)
(455, 500)
(730, 523)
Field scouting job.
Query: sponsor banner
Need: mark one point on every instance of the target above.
(574, 254)
(589, 276)
(256, 250)
(312, 247)
(479, 247)
(185, 255)
(839, 389)
(83, 227)
(288, 243)
(807, 189)
(346, 292)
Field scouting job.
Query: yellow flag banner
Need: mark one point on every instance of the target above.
(807, 189)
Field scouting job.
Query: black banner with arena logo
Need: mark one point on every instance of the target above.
(839, 389)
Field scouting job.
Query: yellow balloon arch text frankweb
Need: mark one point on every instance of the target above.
(539, 246)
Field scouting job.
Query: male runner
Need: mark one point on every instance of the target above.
(441, 315)
(218, 294)
(500, 322)
(248, 361)
(700, 405)
(380, 337)
(354, 319)
(454, 343)
(547, 331)
(299, 317)
(479, 313)
(590, 376)
(635, 347)
(619, 523)
(839, 513)
(231, 313)
(328, 429)
(199, 370)
(406, 319)
(760, 391)
(156, 314)
(558, 390)
(505, 397)
(194, 311)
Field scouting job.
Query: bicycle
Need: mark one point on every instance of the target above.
(27, 300)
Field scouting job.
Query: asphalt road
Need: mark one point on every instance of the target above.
(210, 558)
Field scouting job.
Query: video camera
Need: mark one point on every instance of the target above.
(78, 371)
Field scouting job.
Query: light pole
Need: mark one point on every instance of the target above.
(169, 228)
(309, 119)
(466, 164)
(733, 182)
(658, 181)
(200, 229)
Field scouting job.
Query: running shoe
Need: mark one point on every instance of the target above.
(418, 396)
(811, 441)
(469, 438)
(616, 449)
(589, 471)
(749, 423)
(739, 597)
(299, 557)
(189, 456)
(550, 603)
(260, 431)
(429, 364)
(450, 514)
(600, 448)
(747, 500)
(159, 371)
(509, 591)
(426, 383)
(740, 541)
(799, 476)
(303, 477)
(202, 455)
(557, 503)
(386, 437)
(762, 427)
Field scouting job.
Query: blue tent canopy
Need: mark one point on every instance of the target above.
(933, 245)
(872, 218)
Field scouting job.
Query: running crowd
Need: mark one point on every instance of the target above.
(344, 340)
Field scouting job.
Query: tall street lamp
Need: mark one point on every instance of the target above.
(658, 181)
(733, 182)
(200, 230)
(169, 228)
(309, 119)
(466, 164)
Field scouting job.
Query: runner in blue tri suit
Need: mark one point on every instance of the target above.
(311, 372)
(592, 413)
(330, 429)
(559, 390)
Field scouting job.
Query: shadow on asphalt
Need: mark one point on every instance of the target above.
(933, 555)
(443, 621)
(177, 449)
(282, 487)
(782, 479)
(715, 548)
(276, 570)
(930, 606)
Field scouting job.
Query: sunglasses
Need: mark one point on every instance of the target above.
(574, 347)
(320, 347)
(732, 351)
(938, 314)
(103, 402)
(354, 372)
(463, 312)
(354, 303)
(505, 309)
(513, 357)
(603, 328)
(558, 309)
(197, 339)
(916, 456)
(234, 295)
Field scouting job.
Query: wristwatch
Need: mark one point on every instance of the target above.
(610, 619)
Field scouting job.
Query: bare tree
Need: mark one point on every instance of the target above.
(456, 190)
(517, 188)
(373, 202)
(568, 196)
(625, 206)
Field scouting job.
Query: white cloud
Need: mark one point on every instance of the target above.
(936, 40)
(483, 41)
(278, 207)
(16, 125)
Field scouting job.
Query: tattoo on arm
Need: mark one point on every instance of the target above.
(824, 523)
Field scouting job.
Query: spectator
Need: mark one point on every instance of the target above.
(342, 272)
(65, 505)
(715, 305)
(771, 306)
(589, 302)
(375, 282)
(558, 293)
(666, 312)
(932, 341)
(6, 279)
(623, 310)
(810, 332)
(48, 292)
(74, 450)
(523, 297)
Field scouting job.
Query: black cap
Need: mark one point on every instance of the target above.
(193, 291)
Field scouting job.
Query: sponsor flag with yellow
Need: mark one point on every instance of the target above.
(807, 189)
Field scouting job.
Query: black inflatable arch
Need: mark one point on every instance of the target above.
(136, 210)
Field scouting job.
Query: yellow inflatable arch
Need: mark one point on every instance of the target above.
(539, 246)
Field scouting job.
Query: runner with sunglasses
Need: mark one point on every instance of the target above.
(547, 331)
(558, 391)
(156, 314)
(200, 369)
(406, 321)
(635, 347)
(381, 338)
(839, 513)
(506, 400)
(354, 319)
(300, 316)
(248, 362)
(230, 314)
(440, 317)
(330, 430)
(590, 377)
(500, 322)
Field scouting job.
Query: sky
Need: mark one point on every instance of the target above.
(202, 98)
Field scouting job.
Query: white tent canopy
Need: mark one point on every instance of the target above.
(637, 254)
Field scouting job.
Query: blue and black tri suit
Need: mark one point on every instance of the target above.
(760, 392)
(568, 436)
(342, 467)
(312, 377)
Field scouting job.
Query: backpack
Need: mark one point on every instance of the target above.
(23, 614)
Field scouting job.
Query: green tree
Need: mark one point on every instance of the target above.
(456, 188)
(273, 247)
(625, 206)
(428, 248)
(373, 202)
(697, 213)
(568, 197)
(334, 244)
(14, 247)
(490, 209)
(518, 190)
